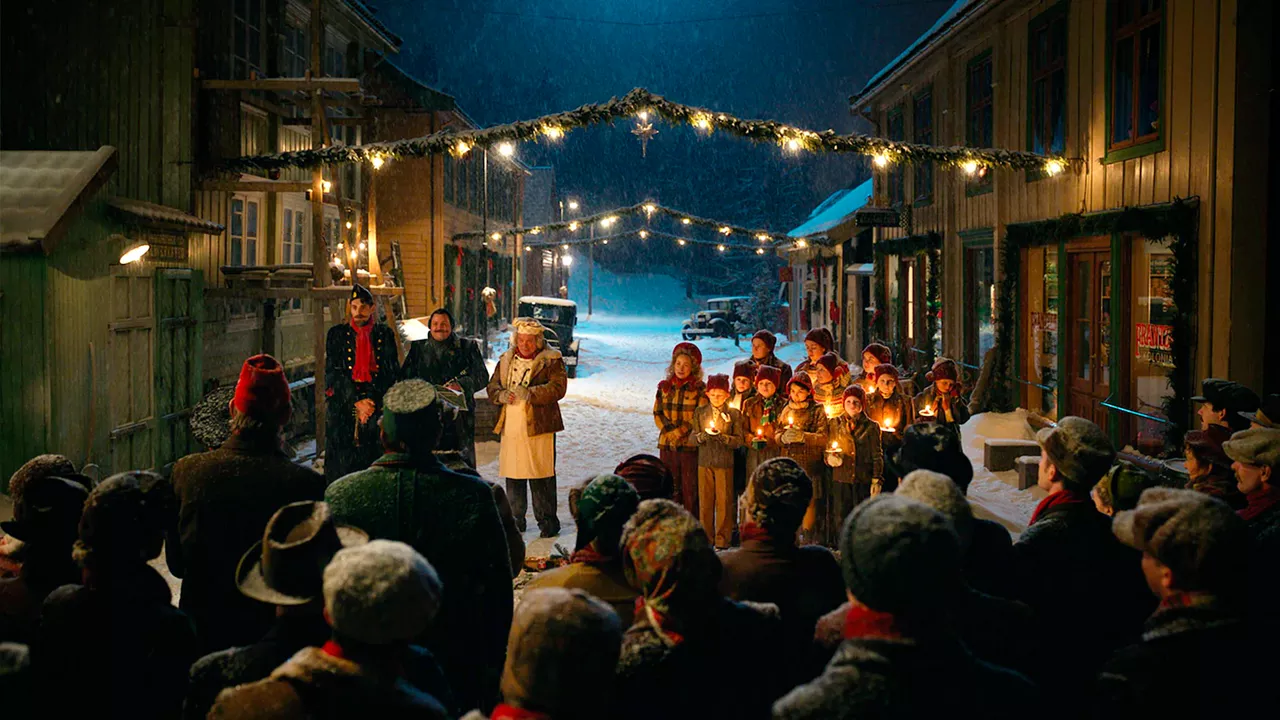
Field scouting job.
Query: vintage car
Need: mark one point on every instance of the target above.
(558, 316)
(722, 318)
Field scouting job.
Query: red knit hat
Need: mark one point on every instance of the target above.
(1207, 444)
(767, 338)
(822, 337)
(854, 391)
(262, 392)
(719, 381)
(886, 369)
(943, 369)
(689, 349)
(770, 373)
(744, 368)
(830, 361)
(881, 352)
(801, 379)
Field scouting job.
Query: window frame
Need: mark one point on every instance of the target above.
(1045, 21)
(922, 175)
(243, 25)
(895, 178)
(1147, 144)
(983, 183)
(244, 238)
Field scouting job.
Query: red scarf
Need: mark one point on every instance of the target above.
(1260, 501)
(332, 649)
(366, 364)
(862, 621)
(752, 531)
(1062, 497)
(658, 621)
(506, 712)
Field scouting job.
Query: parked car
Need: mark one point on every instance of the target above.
(558, 316)
(722, 318)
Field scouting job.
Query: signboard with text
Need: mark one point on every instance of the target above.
(1155, 337)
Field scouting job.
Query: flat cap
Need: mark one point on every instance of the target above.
(1255, 446)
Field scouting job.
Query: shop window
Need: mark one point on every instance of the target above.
(922, 133)
(980, 331)
(980, 116)
(1152, 311)
(1047, 76)
(894, 176)
(1136, 30)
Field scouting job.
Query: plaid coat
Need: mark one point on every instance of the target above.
(673, 408)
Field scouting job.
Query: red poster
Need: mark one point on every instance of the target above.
(1157, 337)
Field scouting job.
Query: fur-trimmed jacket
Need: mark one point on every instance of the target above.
(547, 383)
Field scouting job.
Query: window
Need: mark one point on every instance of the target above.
(450, 177)
(922, 132)
(296, 51)
(1047, 76)
(1136, 67)
(979, 116)
(292, 245)
(894, 176)
(246, 38)
(244, 231)
(335, 59)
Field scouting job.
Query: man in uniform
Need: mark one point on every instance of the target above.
(360, 364)
(452, 361)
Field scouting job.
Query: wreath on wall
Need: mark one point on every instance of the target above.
(1175, 224)
(929, 245)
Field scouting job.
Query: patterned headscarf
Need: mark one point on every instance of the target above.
(667, 558)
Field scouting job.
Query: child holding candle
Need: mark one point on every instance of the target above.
(744, 375)
(873, 356)
(858, 477)
(678, 396)
(719, 430)
(803, 438)
(893, 411)
(940, 402)
(762, 413)
(829, 384)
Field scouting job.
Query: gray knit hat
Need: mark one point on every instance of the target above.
(940, 493)
(561, 653)
(900, 556)
(1080, 450)
(1197, 536)
(1255, 446)
(380, 593)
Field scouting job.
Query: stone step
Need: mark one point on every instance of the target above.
(1028, 470)
(1000, 453)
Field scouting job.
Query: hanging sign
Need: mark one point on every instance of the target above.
(876, 217)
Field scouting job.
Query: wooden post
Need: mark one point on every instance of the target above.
(319, 252)
(269, 326)
(371, 221)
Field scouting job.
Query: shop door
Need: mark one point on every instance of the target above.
(179, 300)
(1089, 332)
(130, 362)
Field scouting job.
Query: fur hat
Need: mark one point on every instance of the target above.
(880, 352)
(900, 556)
(830, 361)
(648, 475)
(854, 391)
(561, 653)
(360, 292)
(936, 447)
(603, 507)
(940, 493)
(943, 369)
(262, 392)
(1267, 415)
(1198, 537)
(767, 338)
(1123, 484)
(689, 349)
(770, 373)
(822, 337)
(1079, 449)
(886, 369)
(1207, 444)
(410, 411)
(380, 593)
(49, 513)
(744, 368)
(778, 494)
(803, 380)
(125, 517)
(1255, 446)
(46, 465)
(719, 381)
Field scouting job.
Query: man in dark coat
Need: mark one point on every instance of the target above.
(452, 361)
(360, 363)
(1068, 565)
(1256, 461)
(45, 521)
(901, 562)
(451, 518)
(1195, 552)
(225, 498)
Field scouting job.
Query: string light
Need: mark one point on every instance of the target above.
(506, 149)
(536, 231)
(801, 244)
(649, 208)
(644, 234)
(881, 160)
(794, 144)
(573, 226)
(361, 244)
(686, 221)
(462, 148)
(969, 166)
(553, 132)
(725, 230)
(573, 204)
(759, 251)
(564, 246)
(377, 162)
(762, 237)
(348, 224)
(720, 248)
(643, 115)
(1053, 167)
(527, 248)
(702, 121)
(496, 236)
(326, 185)
(680, 240)
(339, 246)
(606, 242)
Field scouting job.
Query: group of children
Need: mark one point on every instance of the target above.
(843, 429)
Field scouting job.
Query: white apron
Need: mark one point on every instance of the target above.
(521, 456)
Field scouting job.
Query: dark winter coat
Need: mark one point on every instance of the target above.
(929, 399)
(731, 668)
(457, 359)
(804, 582)
(874, 677)
(860, 441)
(898, 410)
(314, 684)
(812, 421)
(1192, 662)
(772, 360)
(213, 673)
(452, 520)
(1086, 587)
(225, 498)
(548, 382)
(716, 451)
(21, 597)
(343, 454)
(673, 408)
(604, 580)
(116, 649)
(762, 414)
(988, 564)
(515, 541)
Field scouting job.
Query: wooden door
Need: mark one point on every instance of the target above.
(179, 299)
(130, 362)
(1088, 333)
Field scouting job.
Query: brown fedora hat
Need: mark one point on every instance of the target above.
(287, 566)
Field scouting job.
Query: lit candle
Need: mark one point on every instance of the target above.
(760, 433)
(835, 446)
(927, 411)
(886, 426)
(791, 420)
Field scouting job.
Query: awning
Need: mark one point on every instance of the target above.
(833, 211)
(162, 216)
(867, 269)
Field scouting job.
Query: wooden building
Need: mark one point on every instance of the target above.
(1161, 102)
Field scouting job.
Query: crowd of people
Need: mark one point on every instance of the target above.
(849, 577)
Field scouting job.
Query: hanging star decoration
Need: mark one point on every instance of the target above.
(645, 131)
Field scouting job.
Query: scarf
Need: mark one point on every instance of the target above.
(588, 555)
(770, 407)
(366, 364)
(862, 622)
(1064, 497)
(504, 711)
(1260, 501)
(751, 530)
(659, 621)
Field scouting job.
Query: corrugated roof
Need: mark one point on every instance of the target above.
(834, 210)
(955, 13)
(151, 213)
(39, 187)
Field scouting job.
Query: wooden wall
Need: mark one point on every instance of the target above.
(24, 378)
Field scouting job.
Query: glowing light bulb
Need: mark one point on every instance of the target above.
(553, 132)
(326, 185)
(720, 248)
(702, 122)
(881, 160)
(362, 245)
(644, 234)
(801, 244)
(573, 226)
(527, 248)
(606, 242)
(134, 254)
(348, 224)
(564, 246)
(567, 260)
(793, 144)
(573, 204)
(680, 240)
(759, 251)
(969, 166)
(495, 236)
(377, 162)
(462, 148)
(725, 230)
(1053, 167)
(643, 115)
(686, 221)
(506, 149)
(762, 237)
(339, 246)
(649, 208)
(536, 231)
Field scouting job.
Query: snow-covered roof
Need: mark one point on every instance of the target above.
(38, 188)
(834, 210)
(164, 215)
(543, 300)
(958, 10)
(728, 299)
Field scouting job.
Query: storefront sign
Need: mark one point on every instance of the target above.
(876, 217)
(1155, 337)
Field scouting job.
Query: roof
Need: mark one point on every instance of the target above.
(729, 299)
(163, 215)
(837, 208)
(412, 90)
(958, 11)
(366, 13)
(544, 300)
(41, 188)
